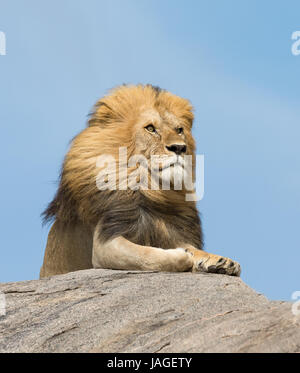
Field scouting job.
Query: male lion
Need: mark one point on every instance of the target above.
(128, 228)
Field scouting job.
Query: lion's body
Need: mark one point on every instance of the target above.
(90, 222)
(69, 249)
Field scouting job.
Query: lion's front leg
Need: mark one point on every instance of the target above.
(206, 262)
(119, 253)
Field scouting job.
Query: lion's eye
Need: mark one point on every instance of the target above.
(179, 130)
(150, 128)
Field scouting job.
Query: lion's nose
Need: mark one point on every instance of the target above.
(177, 148)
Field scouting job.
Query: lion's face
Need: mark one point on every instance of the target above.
(160, 134)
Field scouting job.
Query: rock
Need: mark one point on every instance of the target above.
(128, 311)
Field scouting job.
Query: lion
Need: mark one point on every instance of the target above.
(129, 228)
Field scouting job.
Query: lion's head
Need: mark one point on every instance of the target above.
(149, 122)
(156, 121)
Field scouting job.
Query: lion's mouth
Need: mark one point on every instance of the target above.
(174, 161)
(175, 164)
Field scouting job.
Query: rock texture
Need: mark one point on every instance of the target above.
(125, 311)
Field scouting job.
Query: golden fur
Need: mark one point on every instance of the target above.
(105, 228)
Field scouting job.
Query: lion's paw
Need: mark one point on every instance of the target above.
(217, 264)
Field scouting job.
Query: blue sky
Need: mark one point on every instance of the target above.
(233, 61)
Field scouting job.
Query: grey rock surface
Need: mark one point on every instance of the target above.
(127, 311)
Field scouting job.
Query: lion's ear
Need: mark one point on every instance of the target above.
(102, 115)
(189, 120)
